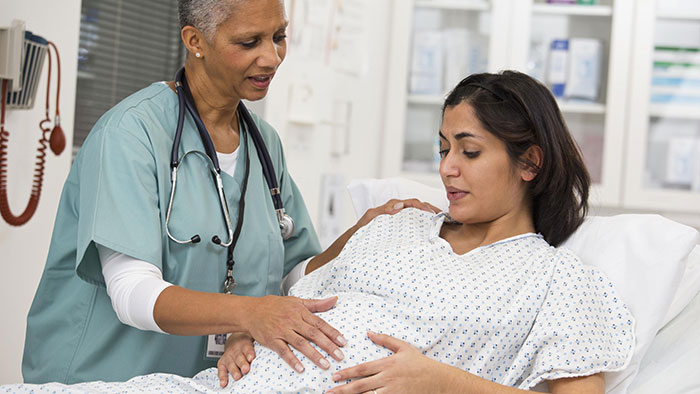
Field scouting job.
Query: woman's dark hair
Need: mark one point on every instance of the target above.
(522, 112)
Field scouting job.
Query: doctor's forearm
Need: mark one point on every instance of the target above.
(332, 252)
(181, 311)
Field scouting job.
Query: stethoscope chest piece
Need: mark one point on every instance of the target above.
(286, 224)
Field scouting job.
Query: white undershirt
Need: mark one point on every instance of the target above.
(134, 285)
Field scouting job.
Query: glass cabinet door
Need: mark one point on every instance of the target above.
(664, 160)
(580, 50)
(450, 40)
(445, 40)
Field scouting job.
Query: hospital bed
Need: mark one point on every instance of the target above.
(655, 265)
(653, 262)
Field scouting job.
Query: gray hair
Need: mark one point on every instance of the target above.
(205, 15)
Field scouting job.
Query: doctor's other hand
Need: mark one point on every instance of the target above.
(393, 206)
(406, 371)
(279, 322)
(239, 353)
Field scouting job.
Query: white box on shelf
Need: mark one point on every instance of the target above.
(677, 33)
(678, 7)
(695, 185)
(465, 53)
(679, 168)
(426, 62)
(427, 18)
(478, 53)
(456, 52)
(585, 55)
(537, 60)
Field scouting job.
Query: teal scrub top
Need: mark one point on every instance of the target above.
(116, 195)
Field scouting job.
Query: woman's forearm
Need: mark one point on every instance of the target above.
(182, 311)
(458, 381)
(332, 252)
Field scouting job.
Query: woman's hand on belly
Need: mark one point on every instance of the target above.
(406, 371)
(278, 322)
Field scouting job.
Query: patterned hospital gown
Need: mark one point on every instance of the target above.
(516, 312)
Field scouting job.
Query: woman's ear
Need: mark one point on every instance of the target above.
(194, 40)
(532, 159)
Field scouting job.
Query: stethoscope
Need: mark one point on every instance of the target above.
(286, 223)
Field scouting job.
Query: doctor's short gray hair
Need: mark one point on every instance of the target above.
(205, 15)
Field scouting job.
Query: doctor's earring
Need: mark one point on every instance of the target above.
(198, 55)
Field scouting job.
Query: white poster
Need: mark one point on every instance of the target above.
(348, 52)
(310, 29)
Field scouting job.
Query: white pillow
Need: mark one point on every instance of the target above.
(689, 286)
(369, 193)
(643, 255)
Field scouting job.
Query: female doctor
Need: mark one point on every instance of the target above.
(135, 274)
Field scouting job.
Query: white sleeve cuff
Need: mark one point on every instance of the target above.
(133, 286)
(293, 276)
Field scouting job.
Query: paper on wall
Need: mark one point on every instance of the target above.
(348, 49)
(310, 29)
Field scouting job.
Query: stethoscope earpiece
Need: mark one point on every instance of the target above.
(216, 240)
(195, 239)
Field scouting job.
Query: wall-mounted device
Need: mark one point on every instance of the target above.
(22, 57)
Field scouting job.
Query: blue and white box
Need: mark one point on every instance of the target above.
(558, 67)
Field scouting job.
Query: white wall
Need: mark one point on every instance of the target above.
(23, 249)
(309, 147)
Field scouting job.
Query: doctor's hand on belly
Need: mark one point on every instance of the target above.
(275, 332)
(280, 322)
(278, 328)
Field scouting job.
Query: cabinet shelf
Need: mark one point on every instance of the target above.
(580, 107)
(674, 111)
(567, 106)
(680, 16)
(425, 99)
(477, 5)
(565, 9)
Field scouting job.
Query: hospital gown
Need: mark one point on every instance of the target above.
(516, 312)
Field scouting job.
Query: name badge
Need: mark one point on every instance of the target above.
(216, 345)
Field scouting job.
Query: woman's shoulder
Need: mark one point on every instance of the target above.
(568, 267)
(565, 258)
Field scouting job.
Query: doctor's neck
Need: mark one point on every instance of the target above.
(216, 107)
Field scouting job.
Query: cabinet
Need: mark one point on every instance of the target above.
(413, 109)
(663, 162)
(617, 129)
